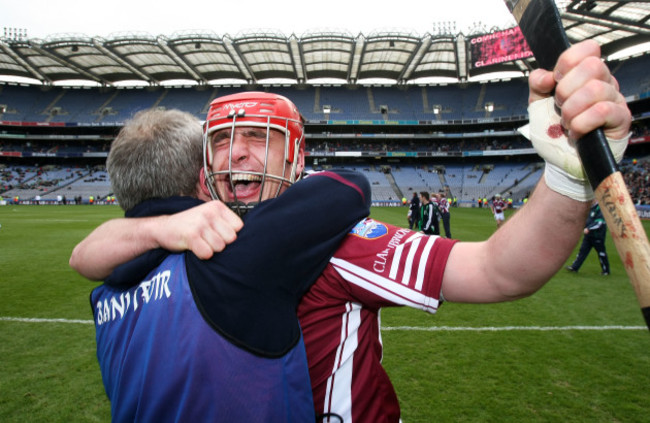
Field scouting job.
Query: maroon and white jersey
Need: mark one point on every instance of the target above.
(498, 205)
(443, 205)
(377, 265)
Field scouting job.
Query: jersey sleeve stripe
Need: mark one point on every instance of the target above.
(338, 395)
(394, 267)
(408, 267)
(413, 237)
(424, 259)
(383, 287)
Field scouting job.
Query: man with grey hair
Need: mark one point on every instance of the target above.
(147, 147)
(215, 339)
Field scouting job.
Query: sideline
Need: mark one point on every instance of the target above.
(390, 328)
(39, 320)
(511, 328)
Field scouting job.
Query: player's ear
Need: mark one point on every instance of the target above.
(300, 163)
(203, 183)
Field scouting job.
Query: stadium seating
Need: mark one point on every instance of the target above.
(456, 110)
(453, 102)
(633, 77)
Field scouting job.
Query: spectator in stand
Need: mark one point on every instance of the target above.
(637, 180)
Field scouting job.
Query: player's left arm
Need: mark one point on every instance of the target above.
(533, 245)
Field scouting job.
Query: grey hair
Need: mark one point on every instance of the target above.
(157, 154)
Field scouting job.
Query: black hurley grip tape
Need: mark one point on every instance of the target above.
(542, 27)
(594, 150)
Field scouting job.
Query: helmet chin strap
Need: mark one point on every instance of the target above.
(241, 208)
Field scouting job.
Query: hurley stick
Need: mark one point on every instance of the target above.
(540, 23)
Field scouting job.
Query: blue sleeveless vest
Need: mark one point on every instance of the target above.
(161, 362)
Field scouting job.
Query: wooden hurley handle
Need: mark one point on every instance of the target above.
(541, 25)
(628, 234)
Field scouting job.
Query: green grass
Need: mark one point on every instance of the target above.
(524, 376)
(49, 372)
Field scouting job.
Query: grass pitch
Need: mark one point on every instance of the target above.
(576, 351)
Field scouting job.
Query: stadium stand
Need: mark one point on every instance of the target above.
(192, 100)
(348, 103)
(78, 105)
(633, 76)
(27, 103)
(54, 140)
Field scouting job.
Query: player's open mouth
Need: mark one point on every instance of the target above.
(246, 186)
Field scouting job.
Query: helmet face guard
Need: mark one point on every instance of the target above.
(269, 112)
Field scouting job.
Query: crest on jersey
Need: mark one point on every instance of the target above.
(369, 229)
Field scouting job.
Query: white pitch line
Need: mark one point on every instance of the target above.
(39, 320)
(392, 328)
(510, 328)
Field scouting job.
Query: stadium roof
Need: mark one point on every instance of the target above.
(259, 57)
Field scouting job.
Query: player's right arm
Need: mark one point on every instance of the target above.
(204, 230)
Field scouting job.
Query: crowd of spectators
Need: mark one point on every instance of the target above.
(635, 172)
(45, 178)
(637, 178)
(41, 178)
(54, 147)
(380, 145)
(377, 145)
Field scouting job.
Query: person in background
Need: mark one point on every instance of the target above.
(498, 210)
(429, 220)
(594, 237)
(414, 212)
(445, 215)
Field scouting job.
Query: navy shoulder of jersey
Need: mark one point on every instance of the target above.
(249, 292)
(134, 271)
(285, 244)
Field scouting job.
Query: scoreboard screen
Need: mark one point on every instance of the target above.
(499, 47)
